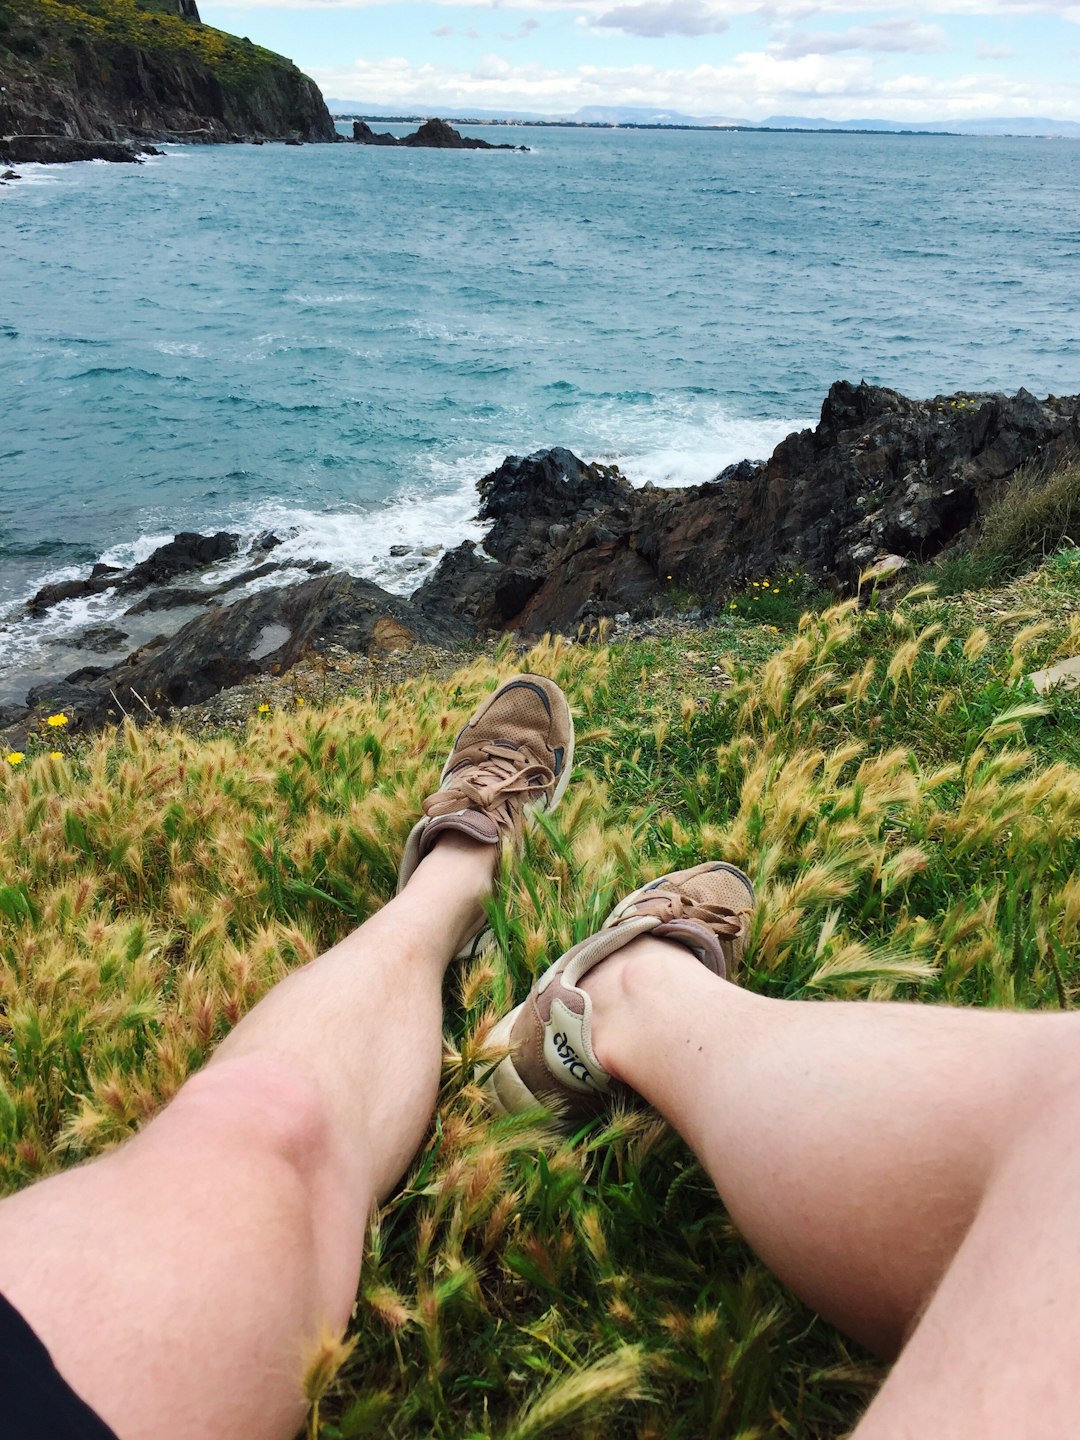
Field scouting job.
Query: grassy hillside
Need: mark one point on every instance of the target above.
(910, 811)
(135, 66)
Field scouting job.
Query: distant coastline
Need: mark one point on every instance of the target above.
(641, 125)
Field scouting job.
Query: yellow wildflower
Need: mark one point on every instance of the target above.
(264, 709)
(15, 757)
(57, 720)
(300, 699)
(56, 754)
(776, 590)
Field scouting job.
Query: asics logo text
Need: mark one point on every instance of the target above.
(569, 1057)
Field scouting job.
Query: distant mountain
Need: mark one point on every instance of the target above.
(648, 115)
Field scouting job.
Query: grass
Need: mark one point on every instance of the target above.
(47, 28)
(910, 812)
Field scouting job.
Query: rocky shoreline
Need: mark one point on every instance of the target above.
(880, 478)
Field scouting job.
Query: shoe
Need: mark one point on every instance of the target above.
(513, 758)
(550, 1062)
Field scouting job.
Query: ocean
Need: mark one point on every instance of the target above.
(336, 342)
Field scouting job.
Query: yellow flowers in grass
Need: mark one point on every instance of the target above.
(15, 757)
(263, 709)
(57, 721)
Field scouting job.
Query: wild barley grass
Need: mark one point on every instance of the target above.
(908, 808)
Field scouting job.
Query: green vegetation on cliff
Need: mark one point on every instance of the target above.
(908, 807)
(117, 68)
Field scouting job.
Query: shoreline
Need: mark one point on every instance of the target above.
(880, 481)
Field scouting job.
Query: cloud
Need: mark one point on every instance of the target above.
(845, 86)
(524, 30)
(443, 31)
(994, 52)
(656, 18)
(883, 37)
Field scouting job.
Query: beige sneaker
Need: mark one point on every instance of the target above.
(551, 1062)
(513, 758)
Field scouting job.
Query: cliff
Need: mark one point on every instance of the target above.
(143, 70)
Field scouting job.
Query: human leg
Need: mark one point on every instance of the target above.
(907, 1170)
(178, 1280)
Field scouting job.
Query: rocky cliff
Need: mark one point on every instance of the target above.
(142, 70)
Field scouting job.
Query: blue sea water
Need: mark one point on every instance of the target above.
(340, 340)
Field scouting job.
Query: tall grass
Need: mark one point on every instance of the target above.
(910, 813)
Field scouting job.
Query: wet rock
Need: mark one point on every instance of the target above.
(265, 542)
(10, 175)
(398, 550)
(63, 149)
(101, 638)
(100, 570)
(185, 552)
(267, 633)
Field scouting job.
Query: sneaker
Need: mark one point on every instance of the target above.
(551, 1063)
(513, 758)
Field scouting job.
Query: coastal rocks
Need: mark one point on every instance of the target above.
(185, 552)
(63, 149)
(432, 135)
(529, 499)
(879, 475)
(270, 631)
(261, 634)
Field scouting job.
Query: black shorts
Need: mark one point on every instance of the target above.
(36, 1402)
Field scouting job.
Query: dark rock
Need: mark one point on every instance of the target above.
(290, 140)
(432, 135)
(88, 672)
(78, 702)
(102, 638)
(186, 551)
(265, 633)
(363, 134)
(264, 543)
(10, 175)
(100, 570)
(397, 550)
(318, 567)
(879, 474)
(50, 595)
(62, 149)
(176, 596)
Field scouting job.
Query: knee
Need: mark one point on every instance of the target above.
(268, 1107)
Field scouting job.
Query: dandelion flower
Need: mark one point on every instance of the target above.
(776, 590)
(755, 584)
(56, 754)
(14, 757)
(300, 700)
(264, 709)
(57, 720)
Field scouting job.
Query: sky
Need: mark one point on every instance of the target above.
(835, 59)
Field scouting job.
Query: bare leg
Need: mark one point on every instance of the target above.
(179, 1281)
(884, 1161)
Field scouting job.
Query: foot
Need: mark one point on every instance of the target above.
(551, 1062)
(512, 759)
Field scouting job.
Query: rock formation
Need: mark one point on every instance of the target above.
(111, 72)
(432, 135)
(879, 474)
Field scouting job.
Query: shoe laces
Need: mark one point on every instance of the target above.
(668, 905)
(495, 776)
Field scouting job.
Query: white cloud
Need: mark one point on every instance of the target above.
(655, 18)
(755, 84)
(883, 37)
(994, 52)
(442, 31)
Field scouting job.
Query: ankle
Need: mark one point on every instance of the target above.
(624, 990)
